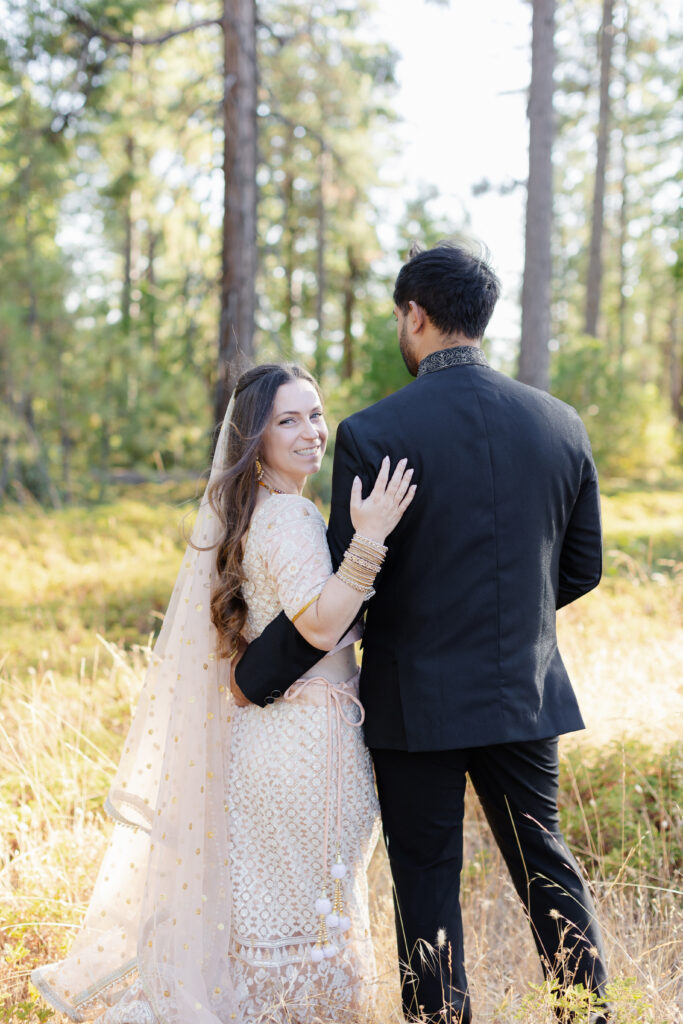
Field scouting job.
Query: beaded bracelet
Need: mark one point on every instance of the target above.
(361, 563)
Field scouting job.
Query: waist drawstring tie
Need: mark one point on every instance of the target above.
(331, 912)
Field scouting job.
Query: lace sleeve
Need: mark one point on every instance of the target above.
(297, 555)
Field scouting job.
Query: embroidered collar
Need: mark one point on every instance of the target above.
(458, 355)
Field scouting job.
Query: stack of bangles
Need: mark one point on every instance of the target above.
(361, 563)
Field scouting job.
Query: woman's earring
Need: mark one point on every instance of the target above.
(259, 469)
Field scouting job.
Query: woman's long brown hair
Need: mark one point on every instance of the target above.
(233, 494)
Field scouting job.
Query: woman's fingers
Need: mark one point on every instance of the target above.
(394, 483)
(385, 486)
(407, 498)
(404, 484)
(356, 493)
(382, 477)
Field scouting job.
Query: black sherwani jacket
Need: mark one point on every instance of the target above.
(460, 644)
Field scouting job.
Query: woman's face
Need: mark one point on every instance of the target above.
(294, 441)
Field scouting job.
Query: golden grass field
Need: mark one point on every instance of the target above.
(83, 590)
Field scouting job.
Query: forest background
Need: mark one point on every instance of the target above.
(189, 187)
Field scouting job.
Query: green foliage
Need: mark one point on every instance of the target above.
(627, 999)
(79, 572)
(643, 531)
(621, 813)
(321, 133)
(28, 1010)
(628, 423)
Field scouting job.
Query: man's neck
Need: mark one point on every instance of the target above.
(438, 344)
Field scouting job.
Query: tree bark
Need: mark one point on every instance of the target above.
(150, 275)
(623, 264)
(238, 262)
(321, 280)
(534, 361)
(128, 228)
(594, 279)
(289, 262)
(349, 306)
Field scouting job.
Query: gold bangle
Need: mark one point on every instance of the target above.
(369, 542)
(363, 561)
(305, 608)
(360, 581)
(360, 589)
(360, 571)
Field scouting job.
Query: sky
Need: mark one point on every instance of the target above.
(463, 73)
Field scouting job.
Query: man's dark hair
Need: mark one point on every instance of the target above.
(456, 288)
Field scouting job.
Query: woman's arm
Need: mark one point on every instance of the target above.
(338, 604)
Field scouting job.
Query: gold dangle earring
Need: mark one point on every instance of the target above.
(259, 469)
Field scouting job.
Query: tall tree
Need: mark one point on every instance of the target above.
(238, 262)
(534, 360)
(594, 278)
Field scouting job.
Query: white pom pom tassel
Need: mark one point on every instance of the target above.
(323, 905)
(338, 870)
(344, 923)
(332, 920)
(317, 955)
(330, 951)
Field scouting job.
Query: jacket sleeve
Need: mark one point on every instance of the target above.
(581, 555)
(276, 659)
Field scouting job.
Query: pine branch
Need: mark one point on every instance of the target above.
(93, 32)
(311, 132)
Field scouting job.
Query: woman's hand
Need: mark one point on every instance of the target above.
(377, 515)
(237, 695)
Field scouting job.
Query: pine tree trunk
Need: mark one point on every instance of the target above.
(534, 361)
(594, 280)
(150, 275)
(349, 306)
(238, 264)
(289, 260)
(126, 290)
(623, 264)
(321, 281)
(675, 363)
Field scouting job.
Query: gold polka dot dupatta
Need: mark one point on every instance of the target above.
(161, 909)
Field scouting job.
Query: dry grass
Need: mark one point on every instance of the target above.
(66, 700)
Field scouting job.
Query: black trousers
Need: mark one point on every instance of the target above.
(422, 799)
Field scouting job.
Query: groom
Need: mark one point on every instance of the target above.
(461, 674)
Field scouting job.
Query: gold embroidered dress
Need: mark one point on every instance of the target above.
(279, 782)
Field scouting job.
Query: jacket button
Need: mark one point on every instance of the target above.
(277, 693)
(269, 700)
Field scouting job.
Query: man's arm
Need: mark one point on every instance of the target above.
(581, 556)
(280, 655)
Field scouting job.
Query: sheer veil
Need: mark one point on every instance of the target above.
(161, 905)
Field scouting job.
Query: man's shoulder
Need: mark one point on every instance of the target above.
(532, 397)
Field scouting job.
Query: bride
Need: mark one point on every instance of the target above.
(234, 886)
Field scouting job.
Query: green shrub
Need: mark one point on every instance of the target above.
(621, 812)
(631, 431)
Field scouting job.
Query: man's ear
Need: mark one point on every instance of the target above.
(417, 316)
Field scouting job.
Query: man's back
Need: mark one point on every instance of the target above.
(460, 645)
